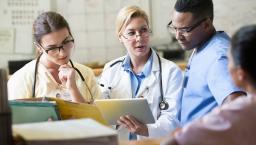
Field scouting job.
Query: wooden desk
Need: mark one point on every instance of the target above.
(142, 142)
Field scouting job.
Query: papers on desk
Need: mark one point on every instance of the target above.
(68, 132)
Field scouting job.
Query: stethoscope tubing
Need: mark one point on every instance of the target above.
(35, 78)
(163, 105)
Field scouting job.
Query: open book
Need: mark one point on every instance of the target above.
(68, 132)
(43, 109)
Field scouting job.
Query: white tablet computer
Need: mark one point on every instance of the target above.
(112, 109)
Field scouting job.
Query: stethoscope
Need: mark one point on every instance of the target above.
(72, 65)
(163, 105)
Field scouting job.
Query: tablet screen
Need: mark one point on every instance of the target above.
(112, 109)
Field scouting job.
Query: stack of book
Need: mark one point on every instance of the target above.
(5, 113)
(67, 132)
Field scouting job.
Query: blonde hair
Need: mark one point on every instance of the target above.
(126, 14)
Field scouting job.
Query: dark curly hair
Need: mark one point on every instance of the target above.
(199, 8)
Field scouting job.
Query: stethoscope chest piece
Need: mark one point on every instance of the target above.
(163, 105)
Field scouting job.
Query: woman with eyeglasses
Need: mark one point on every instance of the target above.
(141, 73)
(52, 73)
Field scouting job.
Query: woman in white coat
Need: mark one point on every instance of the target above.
(138, 75)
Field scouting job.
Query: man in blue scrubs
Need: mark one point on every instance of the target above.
(207, 82)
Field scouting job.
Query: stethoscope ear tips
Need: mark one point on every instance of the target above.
(163, 105)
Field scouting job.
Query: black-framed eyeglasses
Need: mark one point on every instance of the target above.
(68, 44)
(131, 34)
(183, 30)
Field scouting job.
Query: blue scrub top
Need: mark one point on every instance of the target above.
(208, 80)
(136, 79)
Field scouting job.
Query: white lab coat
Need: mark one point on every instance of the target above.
(115, 77)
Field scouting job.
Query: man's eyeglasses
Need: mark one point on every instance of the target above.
(183, 30)
(67, 44)
(131, 35)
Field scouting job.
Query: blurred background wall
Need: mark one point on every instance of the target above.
(92, 23)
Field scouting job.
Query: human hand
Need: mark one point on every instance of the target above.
(133, 125)
(67, 76)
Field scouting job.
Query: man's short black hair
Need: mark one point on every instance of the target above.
(199, 8)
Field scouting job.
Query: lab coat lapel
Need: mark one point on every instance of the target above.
(149, 81)
(125, 84)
